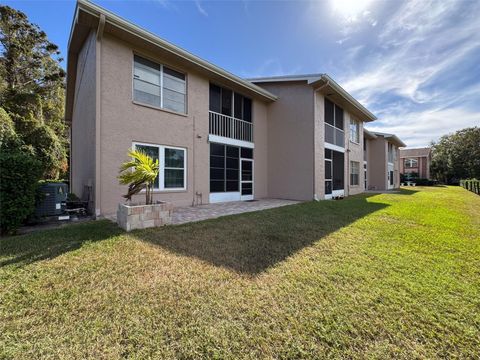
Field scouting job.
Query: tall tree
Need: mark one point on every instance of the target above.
(457, 156)
(32, 89)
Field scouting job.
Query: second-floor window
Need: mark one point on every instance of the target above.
(334, 133)
(226, 102)
(411, 163)
(158, 85)
(354, 131)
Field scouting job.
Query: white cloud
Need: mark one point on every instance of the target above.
(421, 43)
(418, 129)
(270, 67)
(200, 8)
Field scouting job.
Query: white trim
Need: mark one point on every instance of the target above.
(161, 160)
(224, 196)
(229, 141)
(247, 197)
(335, 193)
(161, 74)
(334, 147)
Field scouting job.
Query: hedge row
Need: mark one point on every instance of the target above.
(19, 176)
(471, 185)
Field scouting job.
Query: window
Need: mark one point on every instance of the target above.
(334, 124)
(354, 173)
(354, 131)
(172, 160)
(226, 102)
(411, 163)
(157, 85)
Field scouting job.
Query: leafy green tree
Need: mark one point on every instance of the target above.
(139, 173)
(32, 89)
(457, 156)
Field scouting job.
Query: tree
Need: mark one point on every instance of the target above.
(457, 156)
(139, 173)
(32, 89)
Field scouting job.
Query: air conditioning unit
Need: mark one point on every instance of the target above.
(53, 199)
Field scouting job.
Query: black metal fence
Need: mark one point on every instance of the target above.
(472, 185)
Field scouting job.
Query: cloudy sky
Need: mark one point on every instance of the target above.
(415, 64)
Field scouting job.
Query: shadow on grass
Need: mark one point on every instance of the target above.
(25, 249)
(404, 191)
(252, 242)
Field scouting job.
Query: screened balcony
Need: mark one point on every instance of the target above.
(230, 114)
(230, 127)
(334, 136)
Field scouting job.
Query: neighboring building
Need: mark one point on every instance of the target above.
(315, 142)
(367, 149)
(218, 137)
(383, 160)
(416, 161)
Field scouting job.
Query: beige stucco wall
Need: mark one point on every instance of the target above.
(396, 168)
(377, 164)
(124, 122)
(354, 153)
(290, 141)
(82, 161)
(260, 153)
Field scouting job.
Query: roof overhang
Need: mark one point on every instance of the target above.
(394, 139)
(368, 134)
(86, 19)
(330, 88)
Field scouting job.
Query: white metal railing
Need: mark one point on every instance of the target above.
(230, 127)
(334, 135)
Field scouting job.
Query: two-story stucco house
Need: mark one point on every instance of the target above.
(417, 161)
(382, 160)
(217, 137)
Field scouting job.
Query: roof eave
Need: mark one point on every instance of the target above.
(325, 79)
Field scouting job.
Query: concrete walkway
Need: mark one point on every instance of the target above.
(203, 212)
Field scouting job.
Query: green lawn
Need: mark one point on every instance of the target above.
(372, 276)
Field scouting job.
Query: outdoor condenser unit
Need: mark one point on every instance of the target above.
(53, 199)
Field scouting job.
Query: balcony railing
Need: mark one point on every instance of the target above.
(334, 135)
(230, 127)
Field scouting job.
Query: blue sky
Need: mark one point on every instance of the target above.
(415, 64)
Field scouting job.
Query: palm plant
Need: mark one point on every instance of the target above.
(139, 173)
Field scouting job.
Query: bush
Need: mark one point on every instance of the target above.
(19, 176)
(472, 185)
(424, 182)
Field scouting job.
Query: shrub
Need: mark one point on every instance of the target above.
(19, 176)
(424, 182)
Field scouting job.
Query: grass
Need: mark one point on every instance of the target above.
(379, 276)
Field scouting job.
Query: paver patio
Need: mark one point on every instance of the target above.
(210, 211)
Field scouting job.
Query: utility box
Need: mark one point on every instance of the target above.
(53, 199)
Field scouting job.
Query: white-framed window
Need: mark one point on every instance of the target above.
(158, 85)
(172, 163)
(354, 173)
(411, 163)
(355, 131)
